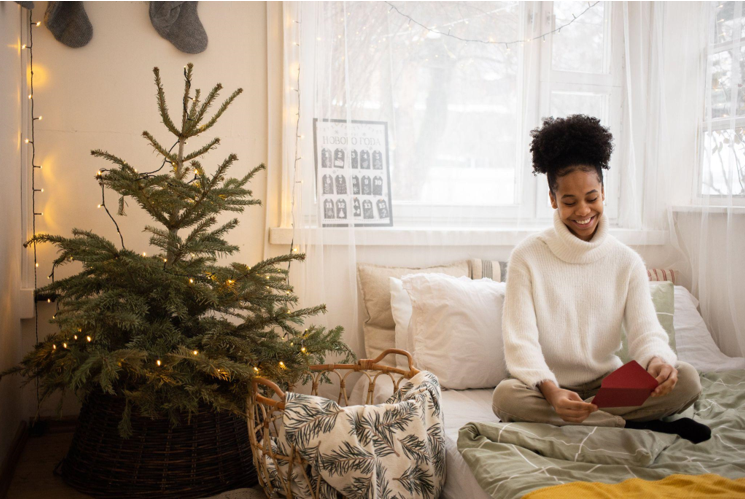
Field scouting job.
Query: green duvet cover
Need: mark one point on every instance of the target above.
(511, 459)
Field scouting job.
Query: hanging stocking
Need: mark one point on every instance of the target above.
(179, 23)
(69, 23)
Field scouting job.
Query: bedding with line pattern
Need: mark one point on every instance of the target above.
(512, 460)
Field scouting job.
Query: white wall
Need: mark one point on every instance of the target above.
(11, 79)
(103, 96)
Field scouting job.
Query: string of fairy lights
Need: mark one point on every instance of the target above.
(298, 24)
(489, 41)
(31, 141)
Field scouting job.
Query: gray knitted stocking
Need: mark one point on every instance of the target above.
(179, 23)
(69, 23)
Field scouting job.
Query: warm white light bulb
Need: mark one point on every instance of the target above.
(89, 339)
(157, 362)
(195, 352)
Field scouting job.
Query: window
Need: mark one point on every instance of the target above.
(583, 73)
(723, 158)
(460, 111)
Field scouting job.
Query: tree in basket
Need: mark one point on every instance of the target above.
(169, 334)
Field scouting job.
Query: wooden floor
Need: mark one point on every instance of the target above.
(34, 476)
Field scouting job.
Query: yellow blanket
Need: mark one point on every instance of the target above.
(673, 487)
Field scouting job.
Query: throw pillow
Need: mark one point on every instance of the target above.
(663, 297)
(456, 329)
(378, 327)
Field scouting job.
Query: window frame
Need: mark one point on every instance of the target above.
(531, 191)
(719, 123)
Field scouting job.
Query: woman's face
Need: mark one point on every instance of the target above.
(579, 198)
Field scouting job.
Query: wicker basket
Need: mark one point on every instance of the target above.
(201, 458)
(265, 417)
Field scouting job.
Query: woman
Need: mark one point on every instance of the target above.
(569, 288)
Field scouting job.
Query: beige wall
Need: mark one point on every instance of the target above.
(10, 220)
(103, 96)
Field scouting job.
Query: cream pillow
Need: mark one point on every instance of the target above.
(378, 326)
(401, 310)
(456, 329)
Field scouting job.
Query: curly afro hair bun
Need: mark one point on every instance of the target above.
(563, 145)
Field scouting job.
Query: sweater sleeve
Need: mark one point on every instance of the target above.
(522, 351)
(646, 336)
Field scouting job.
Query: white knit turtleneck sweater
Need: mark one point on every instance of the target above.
(564, 304)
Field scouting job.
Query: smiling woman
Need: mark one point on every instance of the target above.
(573, 152)
(568, 291)
(580, 203)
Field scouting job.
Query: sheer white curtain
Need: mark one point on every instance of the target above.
(457, 86)
(717, 257)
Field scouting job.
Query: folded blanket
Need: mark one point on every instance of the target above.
(396, 449)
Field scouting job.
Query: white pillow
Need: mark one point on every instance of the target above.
(401, 309)
(456, 329)
(695, 344)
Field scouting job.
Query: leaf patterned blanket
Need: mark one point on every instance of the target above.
(388, 451)
(512, 460)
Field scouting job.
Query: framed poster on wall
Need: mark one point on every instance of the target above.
(352, 173)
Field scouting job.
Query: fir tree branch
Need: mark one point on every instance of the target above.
(114, 159)
(159, 148)
(162, 107)
(223, 108)
(211, 145)
(185, 114)
(204, 107)
(194, 102)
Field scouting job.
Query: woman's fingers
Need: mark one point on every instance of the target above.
(580, 406)
(667, 386)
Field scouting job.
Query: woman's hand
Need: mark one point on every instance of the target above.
(665, 374)
(567, 404)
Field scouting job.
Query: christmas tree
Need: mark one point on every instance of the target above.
(174, 330)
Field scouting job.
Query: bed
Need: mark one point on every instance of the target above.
(722, 406)
(516, 467)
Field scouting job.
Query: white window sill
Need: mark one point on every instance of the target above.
(722, 210)
(393, 236)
